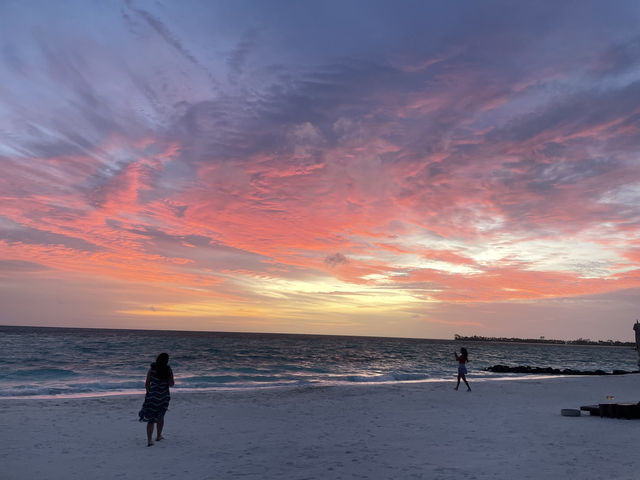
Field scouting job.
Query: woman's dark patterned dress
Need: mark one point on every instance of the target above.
(156, 401)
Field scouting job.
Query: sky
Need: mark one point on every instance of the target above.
(384, 168)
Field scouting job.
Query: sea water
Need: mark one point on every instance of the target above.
(81, 362)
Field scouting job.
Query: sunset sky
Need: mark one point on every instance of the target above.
(395, 168)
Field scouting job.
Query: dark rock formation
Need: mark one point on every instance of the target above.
(551, 371)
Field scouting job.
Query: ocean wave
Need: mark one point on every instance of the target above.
(387, 377)
(69, 389)
(212, 380)
(38, 373)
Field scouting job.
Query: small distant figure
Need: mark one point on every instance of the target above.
(462, 368)
(156, 401)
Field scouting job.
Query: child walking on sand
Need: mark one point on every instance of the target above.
(462, 368)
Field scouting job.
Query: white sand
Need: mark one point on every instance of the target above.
(501, 430)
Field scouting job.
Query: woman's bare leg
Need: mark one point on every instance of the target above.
(465, 382)
(149, 433)
(159, 430)
(458, 381)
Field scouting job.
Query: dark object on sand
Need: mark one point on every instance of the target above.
(594, 410)
(636, 328)
(551, 371)
(570, 412)
(614, 410)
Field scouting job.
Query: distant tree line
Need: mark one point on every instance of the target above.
(579, 341)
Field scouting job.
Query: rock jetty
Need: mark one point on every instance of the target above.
(552, 371)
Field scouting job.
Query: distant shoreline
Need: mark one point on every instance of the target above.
(580, 341)
(474, 338)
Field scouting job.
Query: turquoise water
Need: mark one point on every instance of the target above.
(77, 362)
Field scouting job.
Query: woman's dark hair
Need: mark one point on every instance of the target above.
(161, 366)
(463, 351)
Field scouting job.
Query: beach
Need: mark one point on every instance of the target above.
(503, 429)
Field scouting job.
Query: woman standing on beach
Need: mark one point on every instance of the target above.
(462, 368)
(156, 401)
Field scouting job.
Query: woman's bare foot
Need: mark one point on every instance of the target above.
(160, 437)
(150, 444)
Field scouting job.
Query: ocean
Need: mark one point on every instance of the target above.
(69, 362)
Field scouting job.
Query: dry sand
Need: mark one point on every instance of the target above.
(501, 430)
